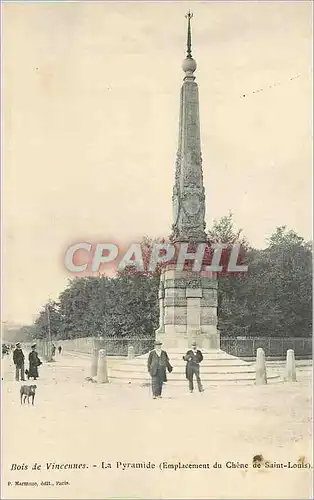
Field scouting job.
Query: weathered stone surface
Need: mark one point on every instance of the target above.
(177, 319)
(191, 283)
(175, 292)
(290, 375)
(208, 317)
(186, 295)
(172, 273)
(175, 302)
(210, 298)
(175, 329)
(176, 310)
(193, 319)
(131, 352)
(102, 371)
(211, 341)
(188, 192)
(209, 302)
(261, 374)
(182, 283)
(210, 293)
(194, 293)
(209, 330)
(185, 310)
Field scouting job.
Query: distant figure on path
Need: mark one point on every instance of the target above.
(18, 360)
(59, 349)
(34, 363)
(157, 364)
(5, 349)
(53, 350)
(193, 358)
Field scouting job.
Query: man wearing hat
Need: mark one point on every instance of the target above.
(193, 358)
(157, 364)
(34, 363)
(18, 360)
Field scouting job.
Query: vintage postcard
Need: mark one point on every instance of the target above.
(156, 318)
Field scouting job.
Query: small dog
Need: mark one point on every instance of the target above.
(28, 391)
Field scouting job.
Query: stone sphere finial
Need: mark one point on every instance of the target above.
(189, 65)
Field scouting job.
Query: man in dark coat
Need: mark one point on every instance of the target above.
(157, 364)
(18, 360)
(34, 363)
(193, 358)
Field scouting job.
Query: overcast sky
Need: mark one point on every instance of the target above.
(91, 102)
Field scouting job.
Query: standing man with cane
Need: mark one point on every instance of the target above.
(193, 358)
(158, 362)
(18, 360)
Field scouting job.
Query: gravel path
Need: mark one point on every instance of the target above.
(78, 422)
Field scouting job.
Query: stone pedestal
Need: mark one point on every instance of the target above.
(131, 352)
(290, 375)
(188, 309)
(261, 374)
(217, 369)
(102, 372)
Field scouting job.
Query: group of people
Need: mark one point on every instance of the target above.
(158, 363)
(33, 359)
(19, 362)
(5, 349)
(53, 350)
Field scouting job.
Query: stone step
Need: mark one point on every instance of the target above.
(205, 383)
(208, 358)
(213, 363)
(217, 368)
(180, 363)
(181, 376)
(178, 353)
(181, 369)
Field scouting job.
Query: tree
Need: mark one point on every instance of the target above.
(232, 300)
(100, 306)
(274, 298)
(223, 231)
(40, 330)
(12, 333)
(280, 291)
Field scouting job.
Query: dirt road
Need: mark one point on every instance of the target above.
(102, 427)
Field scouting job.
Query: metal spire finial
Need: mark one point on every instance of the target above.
(189, 16)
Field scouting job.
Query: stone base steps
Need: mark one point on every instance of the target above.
(217, 368)
(206, 383)
(141, 378)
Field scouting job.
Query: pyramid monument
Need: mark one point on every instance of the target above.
(188, 300)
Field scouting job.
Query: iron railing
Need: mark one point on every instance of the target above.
(274, 347)
(242, 347)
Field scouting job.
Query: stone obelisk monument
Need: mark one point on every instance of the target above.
(188, 300)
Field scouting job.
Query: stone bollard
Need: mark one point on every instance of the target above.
(290, 375)
(131, 353)
(94, 365)
(261, 376)
(102, 372)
